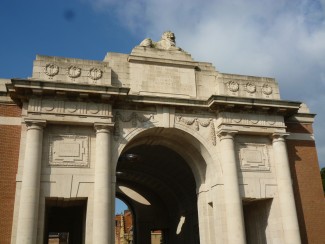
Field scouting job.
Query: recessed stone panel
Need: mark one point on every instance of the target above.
(158, 80)
(69, 150)
(253, 157)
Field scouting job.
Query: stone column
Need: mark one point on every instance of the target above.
(204, 229)
(104, 194)
(30, 186)
(233, 201)
(285, 191)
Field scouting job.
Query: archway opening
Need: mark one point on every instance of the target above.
(160, 187)
(124, 223)
(65, 220)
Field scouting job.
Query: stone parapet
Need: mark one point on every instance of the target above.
(248, 86)
(71, 70)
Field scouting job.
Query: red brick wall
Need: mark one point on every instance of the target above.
(10, 110)
(9, 152)
(299, 128)
(308, 190)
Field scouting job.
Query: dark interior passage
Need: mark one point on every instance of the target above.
(256, 215)
(160, 187)
(65, 221)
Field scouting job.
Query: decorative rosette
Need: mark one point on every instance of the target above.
(250, 87)
(266, 89)
(95, 73)
(233, 86)
(74, 71)
(51, 70)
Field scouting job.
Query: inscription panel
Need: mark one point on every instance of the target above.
(69, 150)
(253, 157)
(162, 80)
(262, 120)
(47, 106)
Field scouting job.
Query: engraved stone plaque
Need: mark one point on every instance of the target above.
(253, 157)
(160, 80)
(69, 150)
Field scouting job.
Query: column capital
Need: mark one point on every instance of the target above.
(226, 134)
(35, 123)
(279, 136)
(103, 127)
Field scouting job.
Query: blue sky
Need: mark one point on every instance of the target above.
(283, 39)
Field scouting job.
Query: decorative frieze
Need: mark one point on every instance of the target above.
(132, 117)
(69, 70)
(246, 119)
(253, 157)
(73, 71)
(196, 123)
(248, 86)
(69, 150)
(68, 108)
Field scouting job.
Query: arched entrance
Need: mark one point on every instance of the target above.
(160, 187)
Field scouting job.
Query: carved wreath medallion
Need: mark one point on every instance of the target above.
(250, 87)
(51, 70)
(95, 74)
(266, 89)
(74, 71)
(233, 86)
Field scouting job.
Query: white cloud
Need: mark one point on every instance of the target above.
(279, 38)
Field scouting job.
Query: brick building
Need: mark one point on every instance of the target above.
(201, 156)
(124, 228)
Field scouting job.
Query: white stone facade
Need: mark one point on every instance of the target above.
(80, 117)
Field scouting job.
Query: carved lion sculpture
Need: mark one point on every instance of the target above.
(167, 42)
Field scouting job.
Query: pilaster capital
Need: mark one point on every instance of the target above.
(227, 134)
(35, 124)
(279, 136)
(103, 127)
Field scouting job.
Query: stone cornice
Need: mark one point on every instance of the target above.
(301, 118)
(162, 61)
(224, 103)
(282, 106)
(22, 89)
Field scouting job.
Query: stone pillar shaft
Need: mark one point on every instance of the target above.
(233, 201)
(285, 191)
(103, 193)
(203, 218)
(30, 186)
